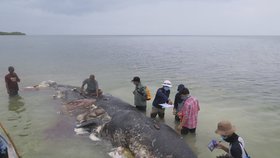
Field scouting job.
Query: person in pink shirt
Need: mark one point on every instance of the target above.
(189, 113)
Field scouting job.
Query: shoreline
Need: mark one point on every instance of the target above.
(12, 33)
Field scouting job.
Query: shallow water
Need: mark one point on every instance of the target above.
(234, 78)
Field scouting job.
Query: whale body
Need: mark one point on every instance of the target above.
(129, 128)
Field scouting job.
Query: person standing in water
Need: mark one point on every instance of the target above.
(139, 94)
(162, 96)
(178, 102)
(12, 80)
(188, 113)
(236, 147)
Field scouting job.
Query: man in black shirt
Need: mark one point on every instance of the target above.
(236, 147)
(178, 102)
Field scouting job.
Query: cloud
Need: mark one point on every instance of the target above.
(203, 17)
(77, 7)
(74, 7)
(81, 7)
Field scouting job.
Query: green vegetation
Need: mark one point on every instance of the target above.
(12, 33)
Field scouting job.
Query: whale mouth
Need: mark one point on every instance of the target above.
(81, 131)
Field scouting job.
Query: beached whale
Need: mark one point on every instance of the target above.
(124, 126)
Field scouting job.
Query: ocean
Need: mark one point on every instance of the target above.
(236, 78)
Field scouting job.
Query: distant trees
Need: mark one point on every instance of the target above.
(12, 33)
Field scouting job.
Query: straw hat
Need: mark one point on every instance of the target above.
(225, 128)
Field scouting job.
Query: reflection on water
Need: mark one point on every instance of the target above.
(191, 139)
(17, 116)
(16, 104)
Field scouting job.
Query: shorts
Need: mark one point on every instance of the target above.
(157, 111)
(13, 93)
(185, 130)
(93, 92)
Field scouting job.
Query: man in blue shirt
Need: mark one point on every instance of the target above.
(162, 96)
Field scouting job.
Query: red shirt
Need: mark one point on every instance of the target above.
(190, 112)
(12, 81)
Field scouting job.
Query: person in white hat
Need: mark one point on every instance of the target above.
(162, 96)
(236, 147)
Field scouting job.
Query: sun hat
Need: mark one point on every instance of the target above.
(225, 128)
(167, 83)
(135, 79)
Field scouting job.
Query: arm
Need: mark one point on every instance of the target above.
(7, 85)
(184, 116)
(176, 104)
(18, 80)
(143, 92)
(176, 101)
(223, 147)
(182, 122)
(83, 85)
(97, 88)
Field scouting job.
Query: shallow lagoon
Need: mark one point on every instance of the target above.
(235, 78)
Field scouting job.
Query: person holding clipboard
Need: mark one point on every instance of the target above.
(162, 96)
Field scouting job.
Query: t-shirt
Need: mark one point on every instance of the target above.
(190, 111)
(92, 85)
(12, 81)
(237, 148)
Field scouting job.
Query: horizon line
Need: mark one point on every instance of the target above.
(136, 35)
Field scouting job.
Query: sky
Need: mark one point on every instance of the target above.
(141, 17)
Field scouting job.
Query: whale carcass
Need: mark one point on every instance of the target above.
(111, 118)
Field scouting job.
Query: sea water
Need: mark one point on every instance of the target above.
(236, 78)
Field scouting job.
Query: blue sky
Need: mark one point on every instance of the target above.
(141, 17)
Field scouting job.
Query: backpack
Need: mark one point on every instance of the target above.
(148, 93)
(247, 155)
